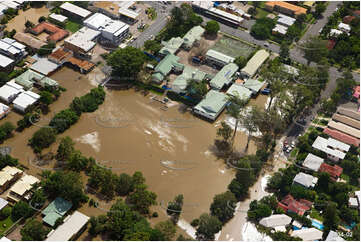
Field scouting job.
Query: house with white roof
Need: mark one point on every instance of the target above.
(276, 221)
(333, 236)
(309, 234)
(21, 190)
(58, 18)
(239, 91)
(4, 110)
(313, 162)
(305, 180)
(224, 77)
(335, 32)
(4, 239)
(25, 100)
(285, 20)
(218, 59)
(255, 63)
(12, 49)
(113, 30)
(8, 175)
(254, 85)
(82, 41)
(279, 29)
(74, 11)
(335, 150)
(290, 70)
(10, 91)
(344, 27)
(212, 105)
(6, 63)
(71, 228)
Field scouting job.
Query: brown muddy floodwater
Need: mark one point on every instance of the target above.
(130, 132)
(32, 14)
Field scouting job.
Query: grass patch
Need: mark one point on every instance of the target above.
(294, 152)
(233, 47)
(345, 177)
(72, 26)
(5, 225)
(316, 215)
(261, 13)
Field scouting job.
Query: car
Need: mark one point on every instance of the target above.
(289, 150)
(266, 44)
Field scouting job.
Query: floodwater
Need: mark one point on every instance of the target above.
(130, 132)
(32, 14)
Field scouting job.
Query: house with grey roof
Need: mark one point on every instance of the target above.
(254, 85)
(224, 77)
(192, 37)
(335, 150)
(276, 221)
(313, 162)
(212, 105)
(165, 66)
(218, 59)
(239, 91)
(305, 180)
(333, 236)
(309, 234)
(254, 63)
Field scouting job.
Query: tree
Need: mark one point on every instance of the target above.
(29, 24)
(196, 90)
(65, 149)
(142, 199)
(258, 210)
(241, 61)
(167, 228)
(21, 209)
(3, 78)
(124, 184)
(248, 123)
(46, 97)
(152, 46)
(284, 50)
(5, 213)
(262, 28)
(138, 178)
(314, 49)
(234, 110)
(6, 130)
(127, 62)
(63, 120)
(38, 199)
(331, 217)
(225, 132)
(77, 162)
(42, 139)
(212, 27)
(34, 230)
(208, 226)
(319, 9)
(223, 206)
(7, 160)
(42, 19)
(46, 49)
(174, 208)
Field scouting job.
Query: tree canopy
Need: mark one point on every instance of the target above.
(212, 27)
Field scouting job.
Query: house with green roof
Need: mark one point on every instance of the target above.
(254, 85)
(224, 77)
(192, 37)
(46, 81)
(189, 73)
(165, 66)
(56, 209)
(171, 46)
(212, 105)
(28, 78)
(240, 91)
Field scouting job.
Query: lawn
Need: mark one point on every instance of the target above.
(294, 152)
(316, 214)
(7, 222)
(233, 47)
(261, 13)
(72, 26)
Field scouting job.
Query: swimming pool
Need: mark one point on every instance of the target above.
(317, 224)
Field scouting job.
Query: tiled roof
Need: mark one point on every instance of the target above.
(334, 171)
(342, 137)
(56, 32)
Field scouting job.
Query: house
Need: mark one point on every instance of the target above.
(4, 110)
(218, 59)
(349, 113)
(60, 56)
(334, 149)
(10, 91)
(346, 120)
(344, 27)
(56, 209)
(253, 85)
(83, 66)
(82, 41)
(305, 180)
(21, 190)
(333, 236)
(289, 204)
(224, 77)
(12, 49)
(189, 73)
(55, 33)
(29, 40)
(212, 105)
(6, 63)
(345, 138)
(171, 46)
(344, 128)
(254, 63)
(285, 20)
(165, 66)
(348, 19)
(28, 78)
(334, 171)
(335, 32)
(44, 66)
(3, 204)
(112, 30)
(58, 18)
(276, 221)
(4, 239)
(73, 11)
(285, 7)
(192, 37)
(72, 227)
(8, 175)
(11, 4)
(353, 203)
(239, 91)
(313, 162)
(309, 234)
(25, 100)
(117, 10)
(279, 29)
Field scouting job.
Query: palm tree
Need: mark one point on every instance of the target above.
(236, 103)
(248, 122)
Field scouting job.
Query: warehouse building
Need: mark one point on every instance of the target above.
(73, 11)
(82, 41)
(254, 63)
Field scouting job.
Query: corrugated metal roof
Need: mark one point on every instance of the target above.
(255, 62)
(240, 91)
(224, 76)
(213, 103)
(219, 56)
(192, 35)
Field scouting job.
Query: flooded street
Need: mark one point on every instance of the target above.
(129, 133)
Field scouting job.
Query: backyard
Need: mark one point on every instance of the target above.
(233, 47)
(5, 225)
(72, 26)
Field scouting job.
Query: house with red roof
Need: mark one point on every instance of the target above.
(55, 33)
(348, 19)
(289, 204)
(345, 138)
(334, 171)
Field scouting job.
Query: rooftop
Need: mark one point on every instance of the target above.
(294, 8)
(193, 35)
(349, 113)
(83, 38)
(342, 137)
(305, 180)
(44, 66)
(5, 61)
(26, 99)
(171, 46)
(58, 17)
(213, 103)
(29, 40)
(309, 234)
(24, 184)
(346, 120)
(344, 128)
(75, 9)
(255, 62)
(280, 29)
(11, 46)
(275, 220)
(334, 171)
(313, 162)
(240, 91)
(324, 145)
(57, 33)
(219, 56)
(285, 20)
(224, 76)
(333, 236)
(57, 208)
(253, 85)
